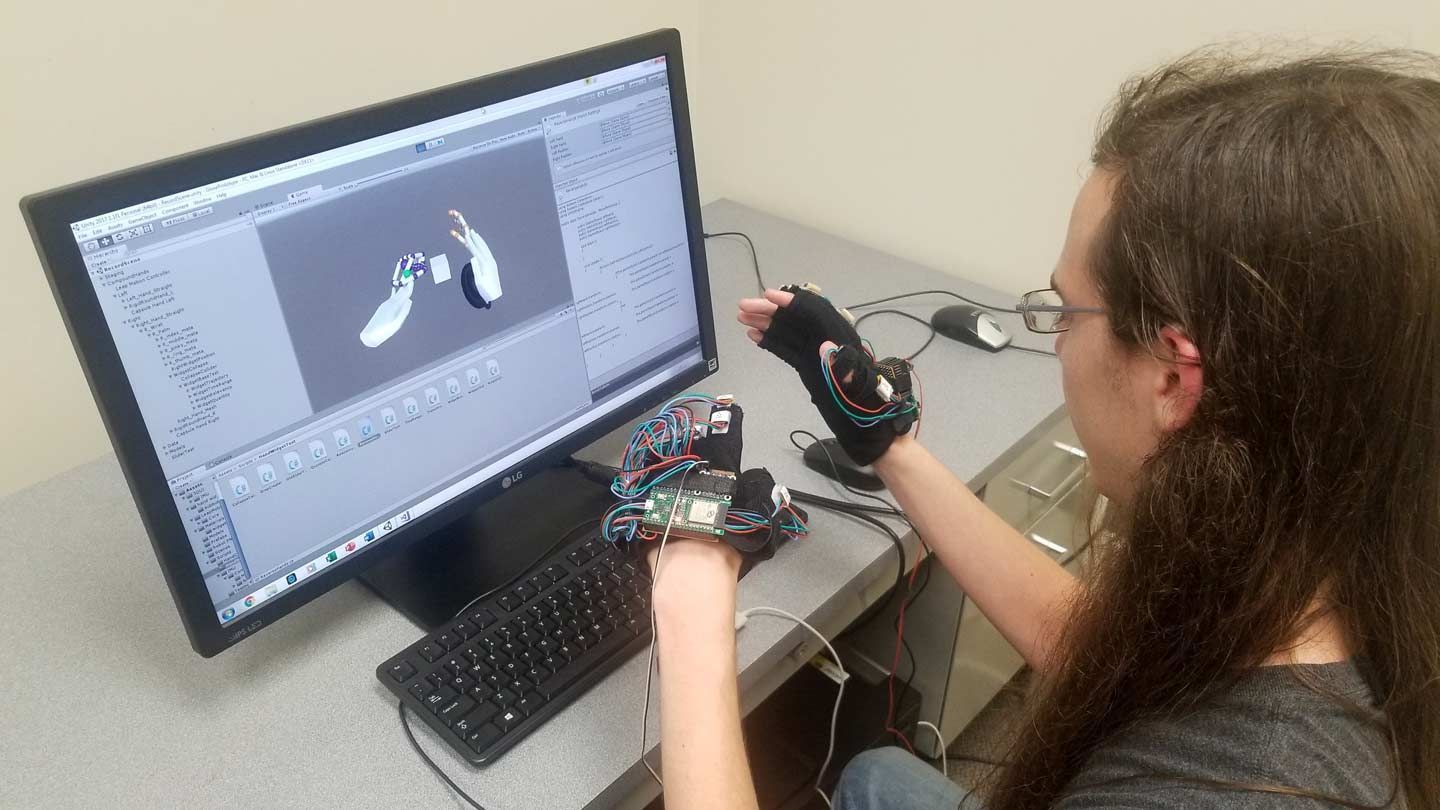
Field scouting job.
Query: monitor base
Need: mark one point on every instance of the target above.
(432, 581)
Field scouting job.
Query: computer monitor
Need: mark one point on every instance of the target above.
(314, 347)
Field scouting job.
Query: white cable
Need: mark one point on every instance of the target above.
(944, 765)
(654, 631)
(840, 694)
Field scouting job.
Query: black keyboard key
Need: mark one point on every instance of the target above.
(504, 698)
(601, 629)
(635, 626)
(592, 614)
(456, 665)
(609, 603)
(477, 671)
(448, 640)
(440, 697)
(419, 690)
(539, 582)
(530, 703)
(538, 674)
(494, 680)
(484, 707)
(510, 649)
(494, 660)
(577, 558)
(584, 640)
(401, 672)
(554, 663)
(525, 592)
(455, 709)
(592, 547)
(473, 654)
(562, 680)
(508, 719)
(568, 651)
(553, 601)
(555, 573)
(630, 568)
(483, 737)
(546, 646)
(511, 669)
(432, 652)
(546, 627)
(464, 629)
(509, 602)
(529, 638)
(482, 618)
(437, 678)
(486, 643)
(459, 683)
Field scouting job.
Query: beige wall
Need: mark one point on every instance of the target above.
(94, 87)
(956, 133)
(952, 133)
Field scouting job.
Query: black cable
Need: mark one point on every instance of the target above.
(902, 313)
(754, 257)
(405, 724)
(1008, 310)
(1045, 352)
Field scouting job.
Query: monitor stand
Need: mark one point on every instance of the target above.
(431, 581)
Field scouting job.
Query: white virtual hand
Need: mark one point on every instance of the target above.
(482, 261)
(389, 316)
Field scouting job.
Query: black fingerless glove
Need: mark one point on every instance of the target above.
(853, 414)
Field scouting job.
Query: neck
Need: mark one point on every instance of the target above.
(1320, 640)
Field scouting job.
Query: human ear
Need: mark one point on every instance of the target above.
(1179, 381)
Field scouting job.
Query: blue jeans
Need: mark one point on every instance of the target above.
(892, 779)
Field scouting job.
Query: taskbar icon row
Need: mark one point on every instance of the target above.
(313, 567)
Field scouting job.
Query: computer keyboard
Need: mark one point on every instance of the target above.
(510, 661)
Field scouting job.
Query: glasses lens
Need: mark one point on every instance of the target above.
(1044, 321)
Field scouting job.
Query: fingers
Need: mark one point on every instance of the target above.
(755, 335)
(459, 219)
(758, 306)
(459, 238)
(779, 297)
(761, 322)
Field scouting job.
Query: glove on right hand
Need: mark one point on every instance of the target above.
(796, 333)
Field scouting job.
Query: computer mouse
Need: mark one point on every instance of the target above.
(852, 474)
(971, 325)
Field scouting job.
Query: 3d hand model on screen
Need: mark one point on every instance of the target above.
(480, 280)
(391, 315)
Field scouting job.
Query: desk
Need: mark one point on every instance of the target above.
(106, 705)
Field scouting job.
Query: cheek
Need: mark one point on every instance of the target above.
(1092, 406)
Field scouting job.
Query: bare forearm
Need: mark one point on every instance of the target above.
(704, 752)
(1018, 587)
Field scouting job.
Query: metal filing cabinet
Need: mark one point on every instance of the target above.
(962, 661)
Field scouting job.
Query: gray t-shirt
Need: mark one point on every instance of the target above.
(1271, 729)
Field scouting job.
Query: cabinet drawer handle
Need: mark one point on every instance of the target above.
(1050, 544)
(1032, 489)
(1071, 449)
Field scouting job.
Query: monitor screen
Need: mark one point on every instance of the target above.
(326, 349)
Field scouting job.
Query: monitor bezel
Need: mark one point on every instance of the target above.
(48, 216)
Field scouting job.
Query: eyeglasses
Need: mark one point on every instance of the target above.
(1046, 314)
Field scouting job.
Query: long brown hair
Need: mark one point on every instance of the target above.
(1286, 216)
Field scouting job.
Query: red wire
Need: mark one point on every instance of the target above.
(829, 361)
(895, 661)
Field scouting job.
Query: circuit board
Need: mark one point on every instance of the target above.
(700, 513)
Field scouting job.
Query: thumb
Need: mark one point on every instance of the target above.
(825, 349)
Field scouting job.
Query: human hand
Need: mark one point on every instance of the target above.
(482, 278)
(810, 335)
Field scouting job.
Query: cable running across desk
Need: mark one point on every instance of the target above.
(754, 257)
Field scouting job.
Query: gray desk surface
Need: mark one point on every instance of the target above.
(105, 704)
